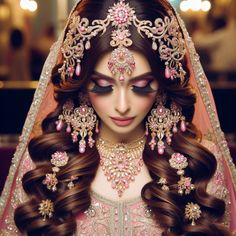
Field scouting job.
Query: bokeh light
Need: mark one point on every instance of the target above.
(29, 5)
(206, 6)
(195, 5)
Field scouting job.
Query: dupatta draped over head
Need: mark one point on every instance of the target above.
(205, 118)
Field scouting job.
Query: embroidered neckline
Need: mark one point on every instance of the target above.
(106, 200)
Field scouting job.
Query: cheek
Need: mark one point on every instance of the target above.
(99, 102)
(144, 104)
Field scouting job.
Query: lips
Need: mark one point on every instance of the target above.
(122, 121)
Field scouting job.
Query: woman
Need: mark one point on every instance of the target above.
(121, 150)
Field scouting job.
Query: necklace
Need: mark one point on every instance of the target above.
(121, 162)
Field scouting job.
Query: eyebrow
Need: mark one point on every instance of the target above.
(148, 75)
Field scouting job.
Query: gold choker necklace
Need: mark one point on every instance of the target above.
(121, 162)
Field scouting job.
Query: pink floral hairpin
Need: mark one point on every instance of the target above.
(180, 162)
(58, 159)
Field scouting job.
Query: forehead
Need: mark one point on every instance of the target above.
(141, 65)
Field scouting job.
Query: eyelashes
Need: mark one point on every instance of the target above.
(101, 89)
(145, 89)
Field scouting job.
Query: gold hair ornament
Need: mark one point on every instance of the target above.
(46, 209)
(163, 182)
(58, 159)
(164, 33)
(180, 162)
(192, 212)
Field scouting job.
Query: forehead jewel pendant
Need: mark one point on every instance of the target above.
(121, 60)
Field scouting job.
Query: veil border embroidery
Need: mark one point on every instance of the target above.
(201, 81)
(31, 116)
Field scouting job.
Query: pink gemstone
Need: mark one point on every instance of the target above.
(160, 150)
(168, 140)
(83, 110)
(74, 138)
(78, 69)
(82, 28)
(68, 129)
(188, 183)
(70, 69)
(175, 130)
(121, 78)
(183, 126)
(59, 125)
(173, 73)
(167, 72)
(81, 149)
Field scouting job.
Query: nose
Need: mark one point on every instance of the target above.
(122, 105)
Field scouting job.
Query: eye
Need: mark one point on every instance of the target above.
(101, 86)
(143, 87)
(102, 82)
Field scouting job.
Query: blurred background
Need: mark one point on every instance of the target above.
(28, 28)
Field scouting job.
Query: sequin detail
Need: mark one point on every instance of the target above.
(108, 218)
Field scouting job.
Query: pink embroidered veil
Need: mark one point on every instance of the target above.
(205, 118)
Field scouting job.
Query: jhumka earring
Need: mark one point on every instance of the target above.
(80, 123)
(59, 159)
(164, 33)
(180, 162)
(163, 122)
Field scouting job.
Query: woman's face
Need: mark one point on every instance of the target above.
(122, 106)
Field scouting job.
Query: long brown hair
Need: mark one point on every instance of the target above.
(168, 207)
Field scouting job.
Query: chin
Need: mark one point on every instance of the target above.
(126, 130)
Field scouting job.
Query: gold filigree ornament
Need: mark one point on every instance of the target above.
(70, 182)
(192, 212)
(121, 162)
(163, 123)
(80, 122)
(163, 182)
(58, 159)
(180, 162)
(164, 33)
(46, 209)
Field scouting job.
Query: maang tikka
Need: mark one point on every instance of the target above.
(164, 33)
(163, 122)
(80, 122)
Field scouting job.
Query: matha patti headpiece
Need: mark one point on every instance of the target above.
(165, 34)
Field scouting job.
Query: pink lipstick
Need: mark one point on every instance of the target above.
(122, 121)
